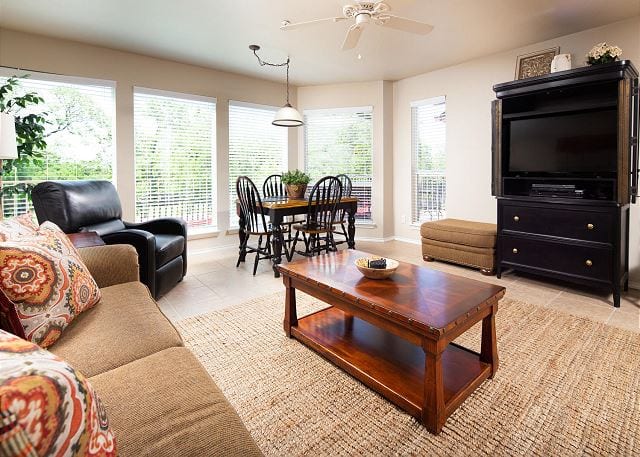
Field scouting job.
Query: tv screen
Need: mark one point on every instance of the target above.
(583, 143)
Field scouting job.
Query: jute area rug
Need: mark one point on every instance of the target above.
(566, 386)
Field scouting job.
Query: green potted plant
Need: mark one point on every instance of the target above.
(296, 182)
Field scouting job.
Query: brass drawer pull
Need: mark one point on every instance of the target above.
(589, 263)
(590, 226)
(515, 250)
(516, 218)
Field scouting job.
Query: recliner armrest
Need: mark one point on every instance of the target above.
(162, 226)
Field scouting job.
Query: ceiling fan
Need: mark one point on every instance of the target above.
(365, 13)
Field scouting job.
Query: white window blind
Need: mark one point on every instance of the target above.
(340, 141)
(428, 181)
(257, 148)
(175, 153)
(79, 134)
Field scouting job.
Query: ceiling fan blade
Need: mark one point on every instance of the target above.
(352, 38)
(316, 21)
(404, 24)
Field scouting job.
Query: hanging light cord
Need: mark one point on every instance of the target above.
(262, 63)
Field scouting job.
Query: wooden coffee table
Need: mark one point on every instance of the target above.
(395, 335)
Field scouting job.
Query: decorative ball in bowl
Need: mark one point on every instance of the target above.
(376, 267)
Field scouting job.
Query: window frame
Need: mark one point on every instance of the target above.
(417, 222)
(196, 232)
(233, 224)
(366, 109)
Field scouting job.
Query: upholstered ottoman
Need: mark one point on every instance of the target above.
(466, 243)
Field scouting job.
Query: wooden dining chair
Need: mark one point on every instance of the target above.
(255, 223)
(273, 187)
(340, 223)
(317, 229)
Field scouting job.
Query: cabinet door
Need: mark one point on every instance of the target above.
(496, 148)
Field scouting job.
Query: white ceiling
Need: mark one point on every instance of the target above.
(216, 33)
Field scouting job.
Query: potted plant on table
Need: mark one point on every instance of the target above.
(296, 182)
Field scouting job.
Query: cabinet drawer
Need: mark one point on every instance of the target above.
(584, 261)
(566, 223)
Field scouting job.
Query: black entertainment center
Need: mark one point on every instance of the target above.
(565, 169)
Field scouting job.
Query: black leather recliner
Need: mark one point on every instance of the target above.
(84, 206)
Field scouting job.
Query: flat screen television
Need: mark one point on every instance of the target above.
(579, 144)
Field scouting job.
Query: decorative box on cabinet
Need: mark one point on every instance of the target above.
(568, 224)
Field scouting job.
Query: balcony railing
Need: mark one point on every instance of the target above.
(430, 192)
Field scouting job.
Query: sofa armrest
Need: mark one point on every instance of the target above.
(162, 226)
(113, 264)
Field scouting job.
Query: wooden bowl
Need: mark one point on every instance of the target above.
(376, 273)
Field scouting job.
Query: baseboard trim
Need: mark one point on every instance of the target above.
(373, 239)
(406, 240)
(634, 285)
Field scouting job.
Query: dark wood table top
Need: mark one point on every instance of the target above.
(286, 202)
(427, 299)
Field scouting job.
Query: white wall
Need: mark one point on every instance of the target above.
(45, 54)
(468, 91)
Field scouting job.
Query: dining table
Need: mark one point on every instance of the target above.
(279, 207)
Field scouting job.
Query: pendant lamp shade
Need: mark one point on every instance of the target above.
(288, 116)
(8, 143)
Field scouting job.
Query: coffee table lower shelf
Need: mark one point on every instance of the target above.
(387, 363)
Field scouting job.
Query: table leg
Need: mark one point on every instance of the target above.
(290, 314)
(277, 242)
(433, 413)
(489, 345)
(242, 236)
(351, 229)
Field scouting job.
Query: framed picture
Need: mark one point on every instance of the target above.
(535, 63)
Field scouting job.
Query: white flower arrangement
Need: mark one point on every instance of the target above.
(603, 53)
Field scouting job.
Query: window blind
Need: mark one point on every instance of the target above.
(340, 141)
(79, 135)
(257, 148)
(175, 152)
(428, 164)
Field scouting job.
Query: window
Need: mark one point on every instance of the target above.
(428, 161)
(79, 136)
(175, 153)
(340, 141)
(257, 148)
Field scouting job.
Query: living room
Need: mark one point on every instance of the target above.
(168, 103)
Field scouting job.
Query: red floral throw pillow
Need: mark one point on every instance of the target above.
(17, 226)
(46, 406)
(44, 284)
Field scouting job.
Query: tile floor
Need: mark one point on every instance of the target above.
(213, 282)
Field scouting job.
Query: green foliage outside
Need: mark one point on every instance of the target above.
(63, 133)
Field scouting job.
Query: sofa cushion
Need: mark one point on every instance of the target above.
(48, 406)
(45, 284)
(167, 405)
(457, 231)
(125, 325)
(168, 247)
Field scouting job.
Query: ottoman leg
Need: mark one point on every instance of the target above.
(486, 272)
(427, 258)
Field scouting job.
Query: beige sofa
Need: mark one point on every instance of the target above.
(159, 399)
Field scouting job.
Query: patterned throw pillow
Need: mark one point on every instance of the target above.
(46, 406)
(44, 284)
(17, 226)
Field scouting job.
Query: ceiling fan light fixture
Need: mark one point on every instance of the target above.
(288, 116)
